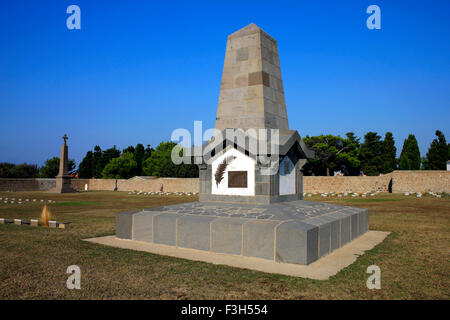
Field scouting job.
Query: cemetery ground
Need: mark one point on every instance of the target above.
(414, 258)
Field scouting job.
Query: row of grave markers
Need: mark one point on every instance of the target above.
(161, 193)
(20, 201)
(365, 194)
(35, 223)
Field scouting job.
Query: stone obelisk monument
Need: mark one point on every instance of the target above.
(63, 177)
(242, 210)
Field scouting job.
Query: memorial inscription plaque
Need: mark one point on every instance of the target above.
(237, 179)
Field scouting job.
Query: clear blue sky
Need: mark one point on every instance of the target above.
(137, 70)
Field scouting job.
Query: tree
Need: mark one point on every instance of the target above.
(129, 149)
(108, 155)
(10, 170)
(160, 164)
(123, 167)
(26, 171)
(51, 168)
(437, 154)
(139, 154)
(148, 152)
(371, 154)
(333, 153)
(94, 162)
(7, 170)
(97, 164)
(410, 155)
(86, 167)
(389, 152)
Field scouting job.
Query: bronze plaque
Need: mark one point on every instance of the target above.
(237, 179)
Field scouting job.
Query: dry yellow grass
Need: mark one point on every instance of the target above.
(414, 259)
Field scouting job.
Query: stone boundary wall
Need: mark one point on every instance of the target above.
(346, 184)
(399, 181)
(420, 180)
(145, 185)
(7, 184)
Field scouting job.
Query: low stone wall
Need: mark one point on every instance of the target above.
(397, 181)
(346, 184)
(420, 181)
(146, 185)
(12, 185)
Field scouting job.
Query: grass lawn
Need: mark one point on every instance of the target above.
(414, 259)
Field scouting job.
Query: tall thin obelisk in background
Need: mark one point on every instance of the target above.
(63, 177)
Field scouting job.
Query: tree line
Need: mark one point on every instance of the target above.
(49, 170)
(373, 156)
(346, 155)
(134, 161)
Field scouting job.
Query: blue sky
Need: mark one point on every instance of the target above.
(137, 70)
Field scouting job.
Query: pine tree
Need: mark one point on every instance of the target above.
(333, 153)
(371, 154)
(410, 155)
(437, 154)
(389, 153)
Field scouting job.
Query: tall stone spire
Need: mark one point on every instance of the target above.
(63, 178)
(64, 159)
(251, 92)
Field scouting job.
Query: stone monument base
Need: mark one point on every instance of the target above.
(295, 232)
(62, 186)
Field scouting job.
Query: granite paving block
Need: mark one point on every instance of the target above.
(164, 228)
(227, 235)
(143, 225)
(363, 221)
(297, 242)
(354, 227)
(345, 220)
(124, 224)
(259, 239)
(324, 234)
(194, 232)
(335, 237)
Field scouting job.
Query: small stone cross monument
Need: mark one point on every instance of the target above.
(63, 177)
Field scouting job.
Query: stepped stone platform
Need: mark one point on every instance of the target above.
(296, 232)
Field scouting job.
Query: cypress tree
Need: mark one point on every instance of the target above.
(388, 153)
(86, 167)
(437, 154)
(139, 154)
(97, 163)
(410, 155)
